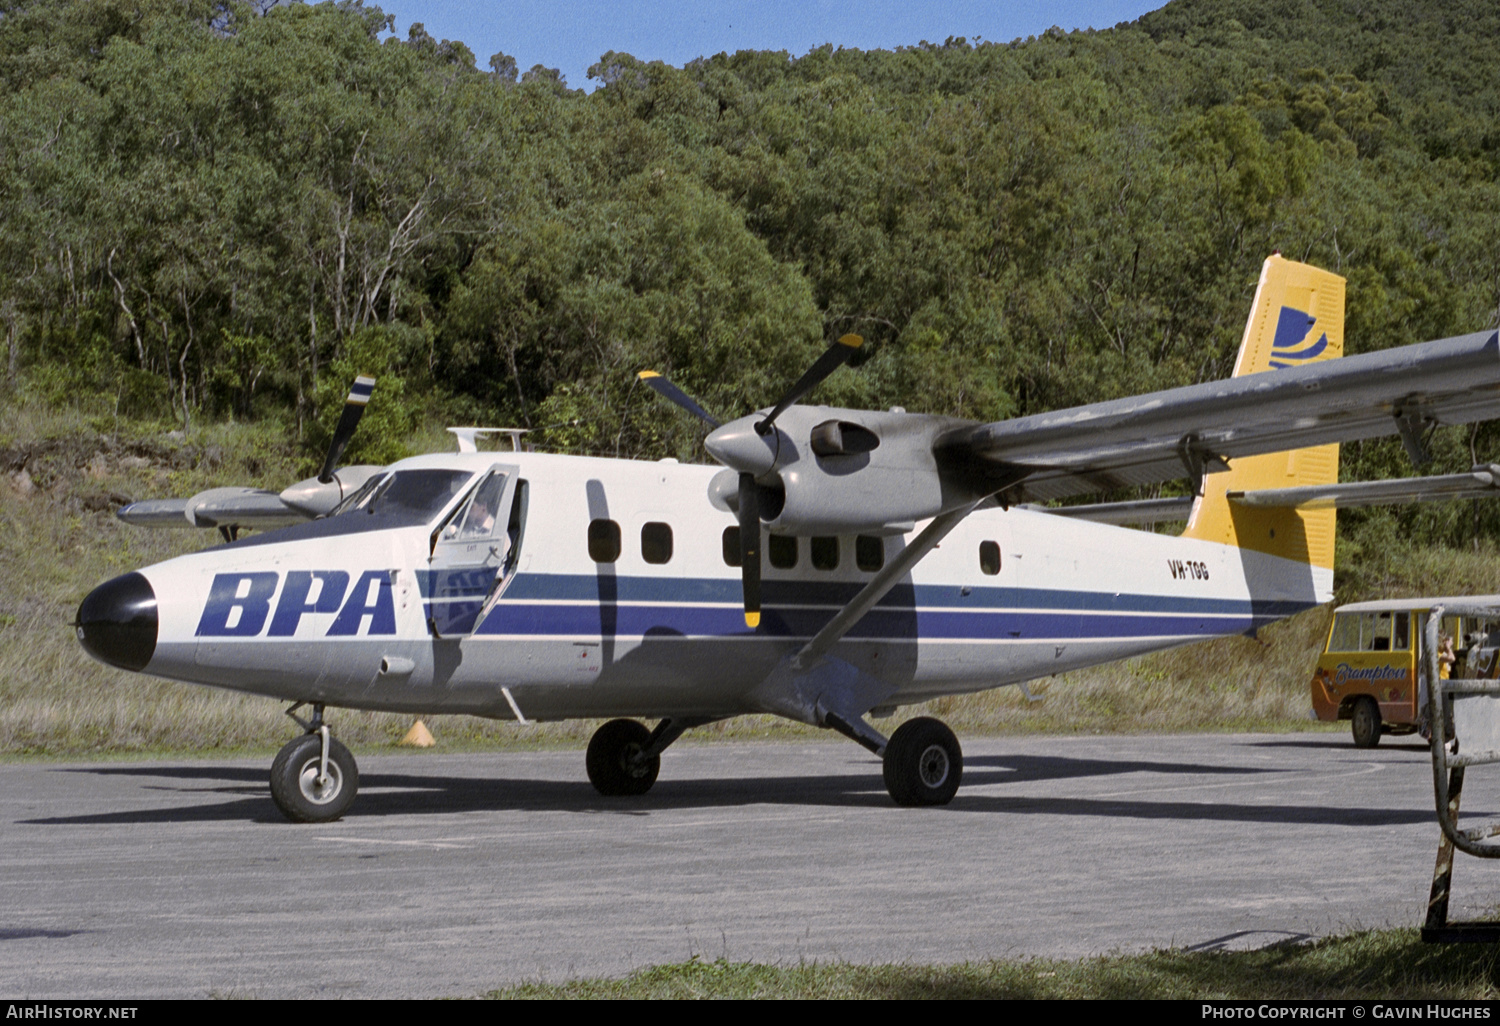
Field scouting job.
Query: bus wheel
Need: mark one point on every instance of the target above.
(1365, 723)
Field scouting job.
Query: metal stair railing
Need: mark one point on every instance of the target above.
(1463, 716)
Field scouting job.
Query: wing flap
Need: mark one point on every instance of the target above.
(1121, 514)
(1482, 482)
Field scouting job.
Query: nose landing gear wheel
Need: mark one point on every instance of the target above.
(613, 761)
(300, 789)
(923, 763)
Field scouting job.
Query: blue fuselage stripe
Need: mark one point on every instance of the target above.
(638, 608)
(608, 588)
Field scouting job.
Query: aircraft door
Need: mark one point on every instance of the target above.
(474, 554)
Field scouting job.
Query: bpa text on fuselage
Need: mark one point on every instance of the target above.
(239, 604)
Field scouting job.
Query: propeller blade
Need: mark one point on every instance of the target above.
(664, 388)
(832, 359)
(749, 513)
(354, 408)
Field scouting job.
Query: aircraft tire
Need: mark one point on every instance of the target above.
(923, 763)
(294, 786)
(608, 759)
(1364, 722)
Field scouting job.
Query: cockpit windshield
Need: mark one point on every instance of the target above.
(409, 496)
(357, 498)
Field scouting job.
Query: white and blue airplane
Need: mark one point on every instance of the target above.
(901, 560)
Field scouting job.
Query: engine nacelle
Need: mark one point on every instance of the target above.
(318, 498)
(828, 471)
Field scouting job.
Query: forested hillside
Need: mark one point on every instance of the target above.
(211, 210)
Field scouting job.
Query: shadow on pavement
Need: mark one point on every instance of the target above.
(412, 794)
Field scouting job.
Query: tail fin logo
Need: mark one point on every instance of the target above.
(1293, 328)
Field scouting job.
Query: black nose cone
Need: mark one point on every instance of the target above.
(117, 622)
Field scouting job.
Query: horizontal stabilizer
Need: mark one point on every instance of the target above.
(1479, 483)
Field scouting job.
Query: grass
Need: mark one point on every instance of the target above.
(60, 539)
(1386, 964)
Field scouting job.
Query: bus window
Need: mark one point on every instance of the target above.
(1370, 632)
(1400, 632)
(1345, 636)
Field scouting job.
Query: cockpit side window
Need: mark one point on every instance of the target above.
(479, 518)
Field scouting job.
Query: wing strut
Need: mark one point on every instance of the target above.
(831, 692)
(834, 631)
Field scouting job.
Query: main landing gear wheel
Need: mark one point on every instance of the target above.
(614, 759)
(923, 763)
(299, 788)
(1364, 722)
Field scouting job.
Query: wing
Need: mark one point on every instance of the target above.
(1186, 431)
(251, 507)
(230, 509)
(243, 507)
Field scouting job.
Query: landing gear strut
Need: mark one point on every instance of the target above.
(314, 778)
(923, 763)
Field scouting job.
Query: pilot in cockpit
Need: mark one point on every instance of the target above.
(481, 519)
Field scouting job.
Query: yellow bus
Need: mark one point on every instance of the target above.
(1371, 671)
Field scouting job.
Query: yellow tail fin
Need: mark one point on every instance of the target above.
(1298, 318)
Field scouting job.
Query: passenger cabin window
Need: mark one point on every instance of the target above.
(731, 546)
(825, 553)
(989, 558)
(783, 550)
(656, 542)
(604, 541)
(869, 553)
